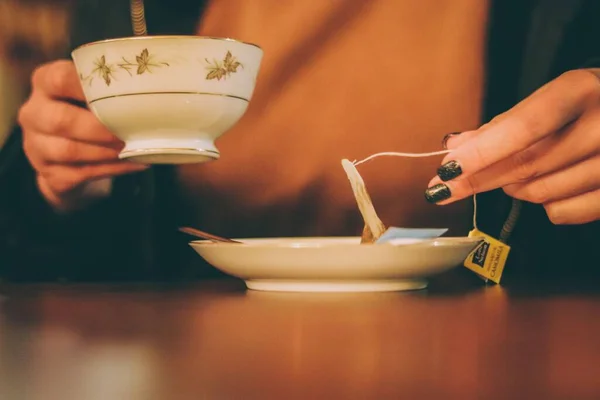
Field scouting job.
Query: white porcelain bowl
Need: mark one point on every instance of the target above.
(168, 97)
(336, 264)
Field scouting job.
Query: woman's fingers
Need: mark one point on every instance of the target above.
(65, 143)
(577, 142)
(63, 119)
(543, 113)
(58, 80)
(575, 210)
(59, 180)
(46, 149)
(455, 139)
(578, 179)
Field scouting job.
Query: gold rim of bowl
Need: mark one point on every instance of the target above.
(121, 39)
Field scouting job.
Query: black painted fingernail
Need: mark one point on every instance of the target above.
(437, 193)
(449, 171)
(447, 137)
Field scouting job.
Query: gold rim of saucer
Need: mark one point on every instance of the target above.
(120, 39)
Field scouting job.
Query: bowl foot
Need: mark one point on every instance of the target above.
(169, 156)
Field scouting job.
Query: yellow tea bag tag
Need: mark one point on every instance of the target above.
(489, 258)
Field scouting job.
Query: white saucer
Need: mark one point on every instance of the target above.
(336, 264)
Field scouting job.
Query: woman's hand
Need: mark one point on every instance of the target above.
(545, 150)
(65, 143)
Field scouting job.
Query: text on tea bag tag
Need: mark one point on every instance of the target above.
(489, 258)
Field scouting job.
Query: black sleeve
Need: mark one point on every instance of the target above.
(579, 47)
(546, 251)
(110, 240)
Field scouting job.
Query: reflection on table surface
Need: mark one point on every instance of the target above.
(214, 340)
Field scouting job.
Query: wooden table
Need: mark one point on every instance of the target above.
(214, 340)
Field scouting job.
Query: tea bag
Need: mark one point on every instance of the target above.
(487, 260)
(375, 230)
(374, 227)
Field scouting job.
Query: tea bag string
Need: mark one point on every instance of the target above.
(397, 154)
(475, 211)
(418, 155)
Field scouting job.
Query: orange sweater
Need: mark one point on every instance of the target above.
(340, 79)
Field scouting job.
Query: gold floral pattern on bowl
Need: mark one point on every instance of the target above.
(144, 63)
(222, 69)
